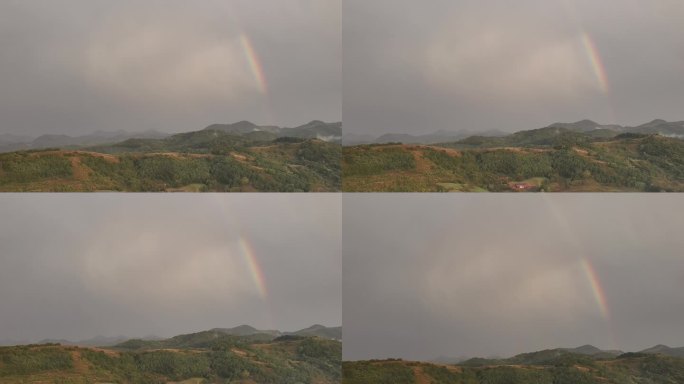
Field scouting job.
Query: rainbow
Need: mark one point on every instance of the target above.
(596, 62)
(588, 269)
(254, 63)
(596, 287)
(254, 267)
(593, 278)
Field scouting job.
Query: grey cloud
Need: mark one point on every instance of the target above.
(415, 67)
(76, 266)
(428, 276)
(80, 66)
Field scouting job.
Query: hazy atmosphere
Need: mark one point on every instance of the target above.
(429, 276)
(78, 266)
(78, 66)
(417, 67)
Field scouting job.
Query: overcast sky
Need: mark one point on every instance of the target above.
(416, 67)
(427, 275)
(77, 66)
(77, 266)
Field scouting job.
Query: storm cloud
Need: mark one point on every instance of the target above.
(416, 67)
(77, 266)
(429, 276)
(78, 66)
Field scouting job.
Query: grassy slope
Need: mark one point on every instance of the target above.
(648, 163)
(573, 369)
(307, 360)
(307, 165)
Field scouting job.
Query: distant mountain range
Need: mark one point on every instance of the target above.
(594, 129)
(317, 330)
(435, 137)
(314, 330)
(10, 143)
(315, 129)
(539, 357)
(331, 132)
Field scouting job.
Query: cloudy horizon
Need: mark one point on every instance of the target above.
(483, 275)
(77, 266)
(81, 66)
(469, 65)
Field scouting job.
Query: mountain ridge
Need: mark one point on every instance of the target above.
(314, 129)
(656, 126)
(316, 330)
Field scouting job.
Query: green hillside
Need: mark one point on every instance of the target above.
(547, 159)
(208, 160)
(567, 368)
(199, 358)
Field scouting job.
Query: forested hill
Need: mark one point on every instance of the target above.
(201, 358)
(240, 157)
(552, 159)
(559, 366)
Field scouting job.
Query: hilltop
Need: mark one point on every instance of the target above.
(211, 356)
(230, 157)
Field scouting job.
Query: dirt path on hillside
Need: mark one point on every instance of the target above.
(423, 165)
(449, 151)
(421, 377)
(80, 171)
(80, 366)
(106, 156)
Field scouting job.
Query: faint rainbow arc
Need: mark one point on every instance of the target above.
(254, 266)
(596, 287)
(597, 65)
(242, 247)
(589, 271)
(254, 63)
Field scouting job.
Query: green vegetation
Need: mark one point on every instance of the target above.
(23, 360)
(363, 372)
(22, 167)
(195, 161)
(570, 161)
(566, 369)
(370, 160)
(226, 359)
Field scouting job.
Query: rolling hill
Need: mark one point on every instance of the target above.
(555, 158)
(583, 365)
(203, 357)
(232, 157)
(665, 350)
(318, 330)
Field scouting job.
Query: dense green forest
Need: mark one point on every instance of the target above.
(569, 161)
(223, 359)
(630, 368)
